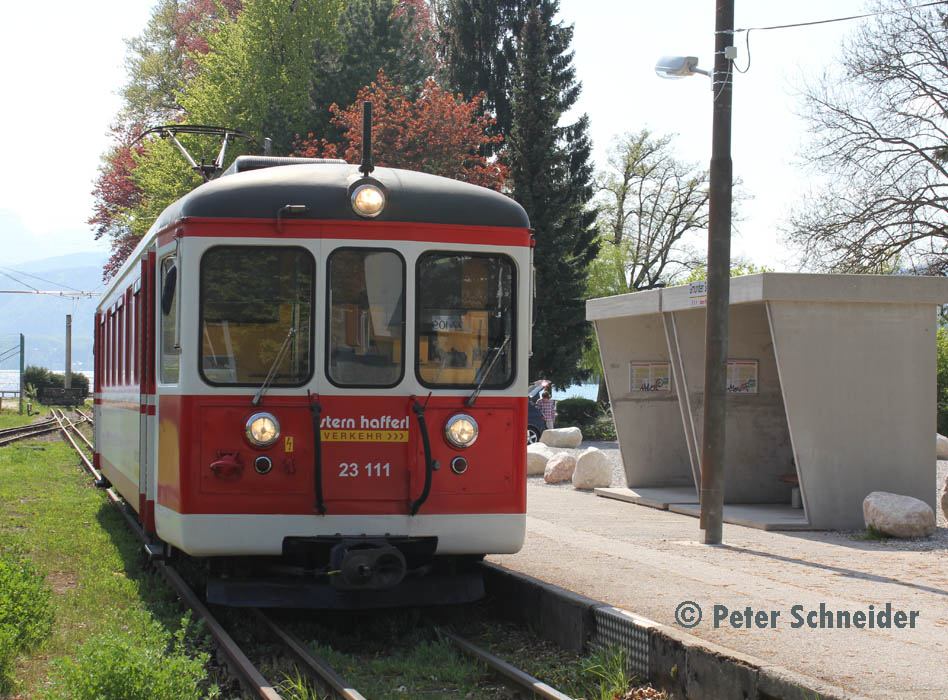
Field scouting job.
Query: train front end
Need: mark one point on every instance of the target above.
(339, 391)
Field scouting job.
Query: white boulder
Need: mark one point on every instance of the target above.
(559, 468)
(562, 437)
(593, 470)
(538, 455)
(944, 498)
(941, 446)
(898, 516)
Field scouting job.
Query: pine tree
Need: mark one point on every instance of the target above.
(519, 55)
(373, 35)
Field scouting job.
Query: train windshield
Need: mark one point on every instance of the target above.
(365, 339)
(465, 320)
(251, 298)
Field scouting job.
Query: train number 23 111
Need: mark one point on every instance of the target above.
(370, 470)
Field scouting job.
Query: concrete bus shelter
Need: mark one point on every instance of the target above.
(831, 382)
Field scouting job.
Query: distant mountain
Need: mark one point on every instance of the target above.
(42, 318)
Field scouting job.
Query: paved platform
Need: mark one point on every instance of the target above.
(649, 561)
(685, 501)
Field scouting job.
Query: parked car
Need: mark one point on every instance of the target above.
(535, 423)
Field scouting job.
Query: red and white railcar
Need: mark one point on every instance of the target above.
(315, 379)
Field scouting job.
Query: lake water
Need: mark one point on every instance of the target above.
(584, 391)
(10, 379)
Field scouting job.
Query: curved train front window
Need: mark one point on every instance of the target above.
(256, 315)
(465, 320)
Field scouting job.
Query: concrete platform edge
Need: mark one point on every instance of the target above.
(687, 667)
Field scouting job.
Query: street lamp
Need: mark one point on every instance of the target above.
(678, 67)
(719, 266)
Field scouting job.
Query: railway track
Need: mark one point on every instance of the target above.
(308, 663)
(9, 435)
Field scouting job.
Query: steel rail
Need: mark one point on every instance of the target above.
(85, 460)
(319, 667)
(87, 417)
(74, 428)
(9, 435)
(261, 687)
(522, 680)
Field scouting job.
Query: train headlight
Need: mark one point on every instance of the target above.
(461, 430)
(368, 200)
(263, 429)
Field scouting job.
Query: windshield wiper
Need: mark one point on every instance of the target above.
(469, 401)
(266, 382)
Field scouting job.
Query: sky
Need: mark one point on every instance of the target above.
(60, 89)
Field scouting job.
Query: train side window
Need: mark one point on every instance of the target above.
(365, 335)
(256, 307)
(465, 320)
(170, 355)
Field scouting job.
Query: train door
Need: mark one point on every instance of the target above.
(364, 426)
(144, 344)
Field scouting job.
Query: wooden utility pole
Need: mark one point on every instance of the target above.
(719, 279)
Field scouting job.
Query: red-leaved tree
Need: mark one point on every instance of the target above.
(438, 133)
(194, 22)
(116, 194)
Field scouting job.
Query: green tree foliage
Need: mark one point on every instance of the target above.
(372, 36)
(651, 207)
(159, 62)
(478, 49)
(257, 73)
(41, 378)
(272, 68)
(551, 177)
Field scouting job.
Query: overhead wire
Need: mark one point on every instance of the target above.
(19, 281)
(748, 30)
(26, 274)
(838, 19)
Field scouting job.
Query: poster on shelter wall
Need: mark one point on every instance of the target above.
(742, 376)
(649, 376)
(698, 293)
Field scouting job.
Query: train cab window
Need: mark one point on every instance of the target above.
(256, 307)
(366, 318)
(170, 353)
(465, 320)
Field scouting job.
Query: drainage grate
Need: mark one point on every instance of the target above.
(615, 628)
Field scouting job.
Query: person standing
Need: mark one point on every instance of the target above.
(547, 407)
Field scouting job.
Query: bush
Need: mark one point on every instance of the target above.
(115, 666)
(26, 614)
(578, 412)
(42, 378)
(602, 429)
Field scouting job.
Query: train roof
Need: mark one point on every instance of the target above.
(250, 190)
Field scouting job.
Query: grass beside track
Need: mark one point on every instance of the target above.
(114, 616)
(94, 569)
(11, 418)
